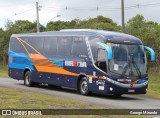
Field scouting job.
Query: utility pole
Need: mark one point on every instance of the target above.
(37, 12)
(122, 13)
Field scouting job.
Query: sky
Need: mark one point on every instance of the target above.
(83, 9)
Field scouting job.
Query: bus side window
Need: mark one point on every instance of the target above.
(64, 45)
(26, 39)
(93, 43)
(101, 59)
(16, 46)
(79, 48)
(50, 46)
(37, 43)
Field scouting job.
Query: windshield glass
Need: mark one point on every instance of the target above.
(128, 60)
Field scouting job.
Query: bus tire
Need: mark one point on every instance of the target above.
(27, 79)
(83, 87)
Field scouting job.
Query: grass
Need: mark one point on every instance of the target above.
(3, 71)
(154, 85)
(13, 99)
(16, 99)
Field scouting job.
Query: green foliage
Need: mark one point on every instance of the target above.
(100, 22)
(147, 31)
(3, 71)
(58, 25)
(3, 46)
(135, 26)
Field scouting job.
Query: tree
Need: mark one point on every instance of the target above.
(55, 26)
(135, 26)
(100, 22)
(147, 31)
(20, 26)
(3, 45)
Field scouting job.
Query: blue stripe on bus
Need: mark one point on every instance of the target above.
(59, 63)
(24, 60)
(141, 81)
(19, 61)
(20, 66)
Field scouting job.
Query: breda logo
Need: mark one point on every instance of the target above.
(75, 64)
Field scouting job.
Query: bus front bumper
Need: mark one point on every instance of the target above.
(114, 87)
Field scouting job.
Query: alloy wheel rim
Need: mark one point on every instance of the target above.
(84, 87)
(27, 80)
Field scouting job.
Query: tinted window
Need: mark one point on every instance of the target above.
(16, 46)
(26, 42)
(79, 47)
(101, 55)
(50, 45)
(26, 39)
(93, 40)
(64, 45)
(101, 59)
(37, 43)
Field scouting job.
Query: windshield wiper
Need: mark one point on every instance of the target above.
(136, 67)
(124, 70)
(129, 64)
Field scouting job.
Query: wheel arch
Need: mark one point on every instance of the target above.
(79, 79)
(25, 70)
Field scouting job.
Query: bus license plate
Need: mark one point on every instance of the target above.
(131, 90)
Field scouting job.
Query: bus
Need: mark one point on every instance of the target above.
(90, 61)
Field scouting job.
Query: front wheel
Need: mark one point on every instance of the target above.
(83, 86)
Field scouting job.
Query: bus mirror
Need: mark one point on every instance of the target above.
(151, 52)
(107, 48)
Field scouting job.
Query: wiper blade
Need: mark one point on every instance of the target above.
(127, 65)
(136, 67)
(124, 70)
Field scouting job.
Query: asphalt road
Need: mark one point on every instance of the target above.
(108, 101)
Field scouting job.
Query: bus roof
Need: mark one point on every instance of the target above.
(109, 36)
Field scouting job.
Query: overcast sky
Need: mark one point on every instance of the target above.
(82, 9)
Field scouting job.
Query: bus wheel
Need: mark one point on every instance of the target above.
(83, 86)
(27, 79)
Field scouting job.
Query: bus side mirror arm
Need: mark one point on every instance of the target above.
(151, 52)
(107, 48)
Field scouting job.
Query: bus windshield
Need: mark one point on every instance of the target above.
(128, 60)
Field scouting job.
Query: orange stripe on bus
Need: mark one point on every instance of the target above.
(134, 82)
(28, 45)
(23, 45)
(47, 65)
